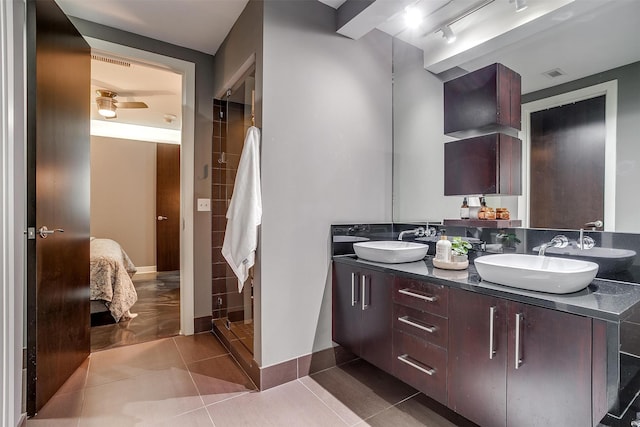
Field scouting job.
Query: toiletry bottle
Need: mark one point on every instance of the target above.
(483, 209)
(464, 209)
(443, 249)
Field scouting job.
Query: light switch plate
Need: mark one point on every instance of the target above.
(204, 205)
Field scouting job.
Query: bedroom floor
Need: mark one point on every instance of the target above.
(194, 381)
(158, 309)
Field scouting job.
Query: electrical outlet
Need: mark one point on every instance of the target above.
(204, 205)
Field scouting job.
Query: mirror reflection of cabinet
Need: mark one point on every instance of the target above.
(489, 164)
(483, 101)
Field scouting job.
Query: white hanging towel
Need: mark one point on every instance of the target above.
(245, 210)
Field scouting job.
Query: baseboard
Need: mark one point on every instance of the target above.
(146, 269)
(202, 324)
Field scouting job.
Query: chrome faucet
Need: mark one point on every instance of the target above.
(559, 241)
(585, 242)
(416, 232)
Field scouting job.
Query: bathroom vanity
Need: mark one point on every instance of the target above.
(499, 356)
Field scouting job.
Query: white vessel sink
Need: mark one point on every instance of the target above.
(391, 252)
(609, 260)
(537, 273)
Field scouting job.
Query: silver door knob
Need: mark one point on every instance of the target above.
(44, 231)
(162, 218)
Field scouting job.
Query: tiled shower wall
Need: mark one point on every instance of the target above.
(224, 286)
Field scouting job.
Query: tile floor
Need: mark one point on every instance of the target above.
(193, 381)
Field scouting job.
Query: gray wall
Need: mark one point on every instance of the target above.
(202, 149)
(627, 146)
(123, 195)
(418, 141)
(326, 158)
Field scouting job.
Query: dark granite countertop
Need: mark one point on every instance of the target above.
(602, 299)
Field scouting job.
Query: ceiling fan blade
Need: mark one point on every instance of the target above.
(136, 93)
(135, 104)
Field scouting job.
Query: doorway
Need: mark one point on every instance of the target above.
(609, 90)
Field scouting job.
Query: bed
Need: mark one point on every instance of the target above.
(111, 273)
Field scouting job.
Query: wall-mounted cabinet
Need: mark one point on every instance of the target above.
(483, 101)
(488, 164)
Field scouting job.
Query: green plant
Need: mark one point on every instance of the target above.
(508, 240)
(459, 246)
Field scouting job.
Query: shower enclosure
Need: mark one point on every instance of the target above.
(233, 115)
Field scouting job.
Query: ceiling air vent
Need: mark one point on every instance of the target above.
(110, 60)
(556, 72)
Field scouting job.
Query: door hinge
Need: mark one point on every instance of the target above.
(31, 233)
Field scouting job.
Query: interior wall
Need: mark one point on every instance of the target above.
(627, 148)
(123, 196)
(202, 149)
(418, 141)
(326, 158)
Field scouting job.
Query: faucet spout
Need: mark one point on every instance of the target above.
(417, 232)
(559, 241)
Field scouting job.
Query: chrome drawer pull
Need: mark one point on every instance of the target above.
(414, 295)
(518, 352)
(353, 290)
(405, 359)
(405, 319)
(492, 346)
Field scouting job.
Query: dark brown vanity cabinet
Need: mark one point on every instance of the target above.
(488, 164)
(361, 313)
(486, 100)
(513, 364)
(420, 336)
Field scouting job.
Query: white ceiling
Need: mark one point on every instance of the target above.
(196, 24)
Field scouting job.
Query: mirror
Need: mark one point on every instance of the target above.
(585, 52)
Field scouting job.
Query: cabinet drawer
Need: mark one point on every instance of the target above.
(429, 327)
(422, 296)
(421, 365)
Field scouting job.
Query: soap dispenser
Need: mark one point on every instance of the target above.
(443, 249)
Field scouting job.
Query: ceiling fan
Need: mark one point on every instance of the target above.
(107, 103)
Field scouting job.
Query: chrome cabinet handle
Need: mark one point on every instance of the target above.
(414, 295)
(364, 292)
(405, 359)
(492, 346)
(162, 218)
(353, 290)
(519, 317)
(430, 329)
(44, 231)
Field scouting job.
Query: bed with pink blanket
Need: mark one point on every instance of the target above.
(111, 273)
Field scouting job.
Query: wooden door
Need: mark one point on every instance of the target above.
(567, 165)
(167, 207)
(346, 310)
(552, 385)
(375, 304)
(478, 357)
(58, 96)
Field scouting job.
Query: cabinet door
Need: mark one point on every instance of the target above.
(346, 309)
(548, 368)
(478, 357)
(375, 302)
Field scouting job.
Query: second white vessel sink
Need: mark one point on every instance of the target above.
(391, 252)
(537, 273)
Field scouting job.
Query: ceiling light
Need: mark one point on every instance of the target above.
(412, 17)
(520, 5)
(448, 34)
(106, 107)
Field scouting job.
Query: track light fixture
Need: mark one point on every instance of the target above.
(520, 4)
(448, 34)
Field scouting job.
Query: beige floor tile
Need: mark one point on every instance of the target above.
(145, 398)
(418, 411)
(219, 378)
(357, 390)
(199, 346)
(63, 410)
(290, 404)
(197, 418)
(127, 362)
(77, 380)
